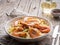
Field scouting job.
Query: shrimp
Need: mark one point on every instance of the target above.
(19, 34)
(44, 29)
(19, 29)
(37, 26)
(34, 32)
(30, 20)
(17, 23)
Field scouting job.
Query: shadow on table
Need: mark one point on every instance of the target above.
(7, 40)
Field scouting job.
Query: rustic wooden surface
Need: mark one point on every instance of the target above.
(29, 6)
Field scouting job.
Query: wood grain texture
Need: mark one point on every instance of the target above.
(8, 7)
(33, 7)
(22, 5)
(28, 5)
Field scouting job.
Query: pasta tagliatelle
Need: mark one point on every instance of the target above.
(29, 27)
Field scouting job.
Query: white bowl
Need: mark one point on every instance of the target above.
(23, 39)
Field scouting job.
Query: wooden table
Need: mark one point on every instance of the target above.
(29, 6)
